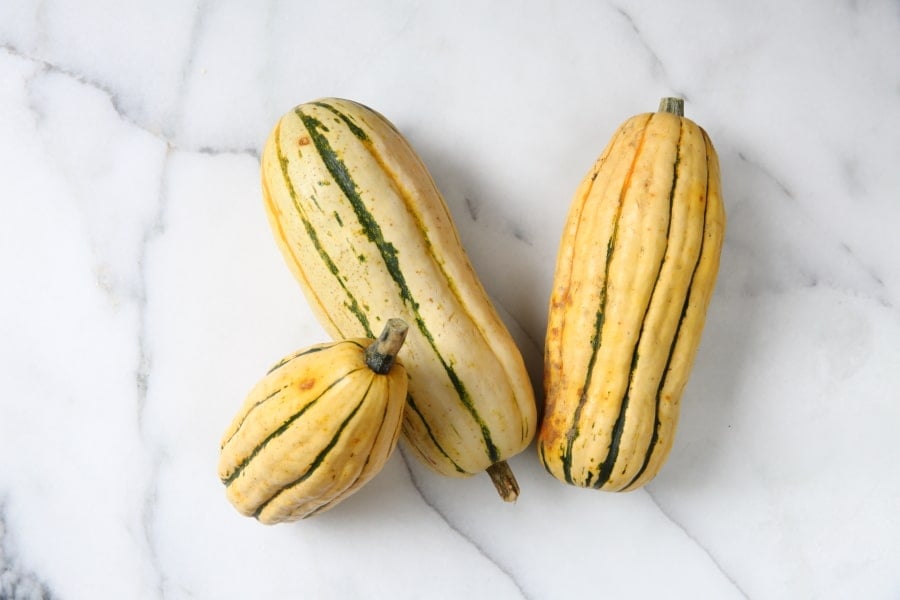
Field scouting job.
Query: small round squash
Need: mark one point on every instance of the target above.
(316, 428)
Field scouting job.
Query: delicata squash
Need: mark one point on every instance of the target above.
(365, 231)
(634, 275)
(316, 428)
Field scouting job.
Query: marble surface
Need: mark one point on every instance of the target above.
(143, 294)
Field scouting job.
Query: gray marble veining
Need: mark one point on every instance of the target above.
(143, 294)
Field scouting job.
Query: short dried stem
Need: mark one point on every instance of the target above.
(381, 353)
(504, 480)
(672, 105)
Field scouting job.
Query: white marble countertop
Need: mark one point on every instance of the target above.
(143, 294)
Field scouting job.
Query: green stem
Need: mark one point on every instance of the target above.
(672, 105)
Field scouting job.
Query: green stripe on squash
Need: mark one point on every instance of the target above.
(323, 454)
(388, 251)
(282, 428)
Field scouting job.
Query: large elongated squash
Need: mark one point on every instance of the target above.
(365, 231)
(634, 275)
(316, 428)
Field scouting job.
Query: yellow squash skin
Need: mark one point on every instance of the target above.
(365, 231)
(635, 272)
(313, 431)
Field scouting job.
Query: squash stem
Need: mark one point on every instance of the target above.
(381, 353)
(504, 481)
(672, 105)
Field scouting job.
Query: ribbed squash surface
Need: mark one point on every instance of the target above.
(315, 429)
(635, 272)
(365, 231)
